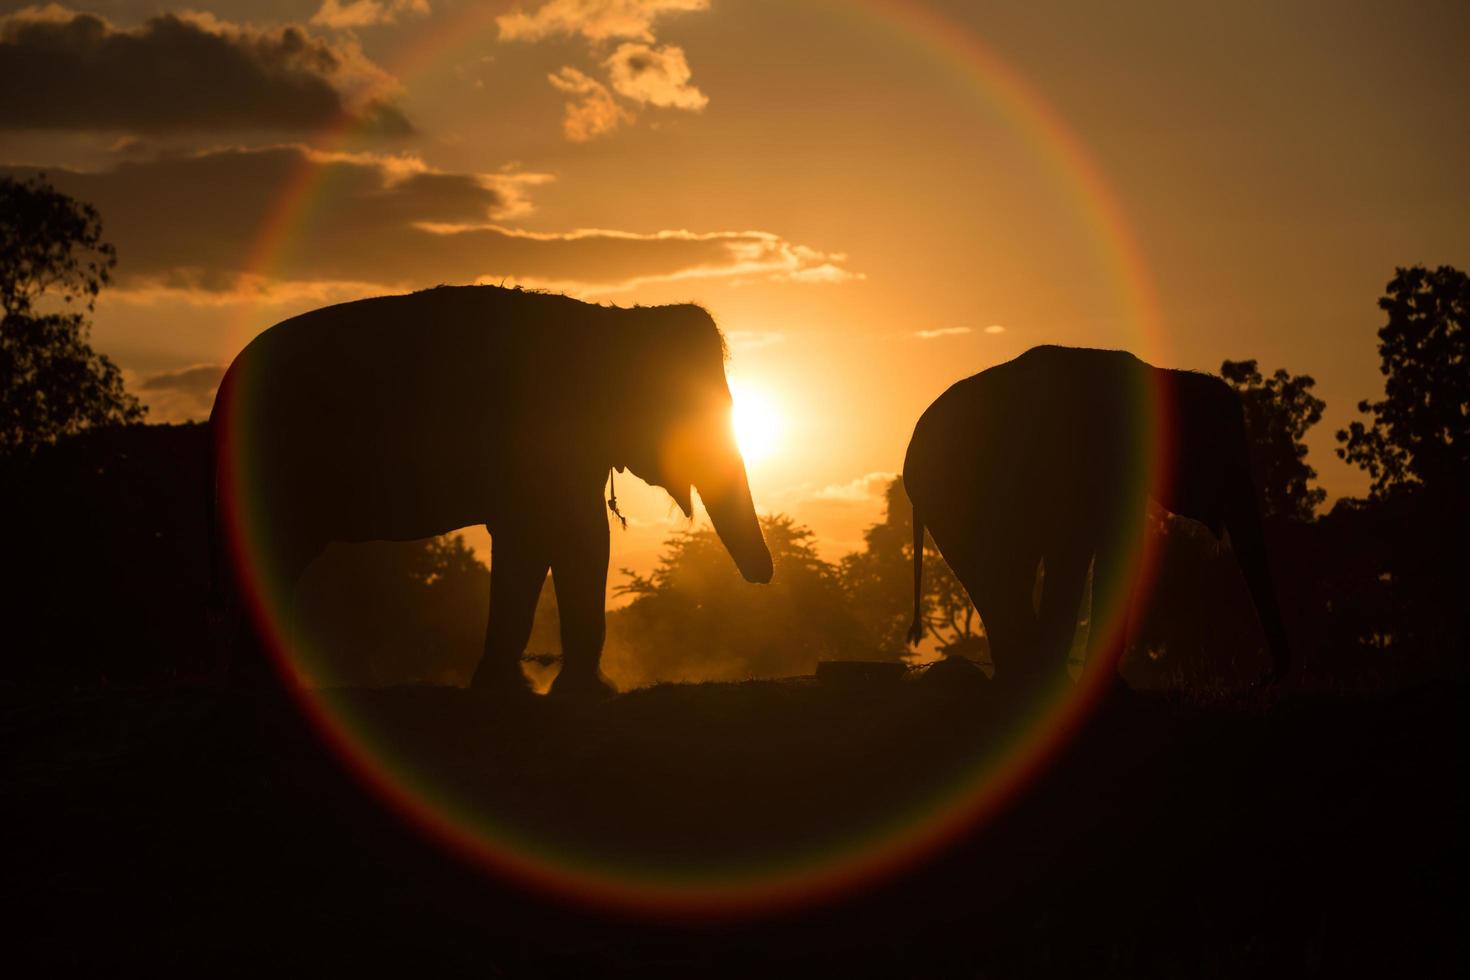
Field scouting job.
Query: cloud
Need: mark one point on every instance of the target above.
(201, 379)
(746, 340)
(256, 291)
(735, 255)
(513, 188)
(942, 332)
(995, 328)
(366, 13)
(638, 70)
(381, 222)
(814, 266)
(594, 112)
(654, 76)
(868, 487)
(180, 396)
(60, 69)
(595, 20)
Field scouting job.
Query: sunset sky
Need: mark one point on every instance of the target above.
(873, 198)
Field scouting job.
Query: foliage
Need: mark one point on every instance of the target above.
(695, 618)
(49, 244)
(52, 383)
(878, 580)
(1419, 433)
(1278, 412)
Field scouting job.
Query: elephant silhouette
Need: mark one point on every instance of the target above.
(403, 417)
(1036, 463)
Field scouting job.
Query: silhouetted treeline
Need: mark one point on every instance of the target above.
(105, 572)
(693, 618)
(1373, 589)
(105, 580)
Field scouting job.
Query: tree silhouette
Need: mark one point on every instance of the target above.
(879, 579)
(694, 618)
(1278, 412)
(1402, 594)
(1420, 431)
(51, 381)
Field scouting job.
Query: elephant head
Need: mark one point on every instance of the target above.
(1210, 481)
(676, 430)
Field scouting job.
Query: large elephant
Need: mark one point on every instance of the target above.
(1039, 462)
(403, 417)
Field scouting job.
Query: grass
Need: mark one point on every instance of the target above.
(206, 829)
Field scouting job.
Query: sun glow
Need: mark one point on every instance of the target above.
(757, 423)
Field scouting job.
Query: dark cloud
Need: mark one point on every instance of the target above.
(65, 70)
(198, 222)
(202, 379)
(200, 216)
(179, 396)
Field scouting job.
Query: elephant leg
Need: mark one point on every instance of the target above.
(1112, 604)
(1001, 587)
(579, 572)
(1061, 600)
(517, 573)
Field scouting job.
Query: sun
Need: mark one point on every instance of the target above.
(757, 423)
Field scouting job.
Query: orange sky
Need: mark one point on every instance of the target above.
(874, 198)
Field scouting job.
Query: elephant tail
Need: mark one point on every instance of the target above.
(916, 628)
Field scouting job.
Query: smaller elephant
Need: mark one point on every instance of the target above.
(1037, 462)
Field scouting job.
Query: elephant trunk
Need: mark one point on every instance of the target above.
(727, 498)
(1248, 541)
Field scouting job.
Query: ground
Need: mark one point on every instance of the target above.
(198, 829)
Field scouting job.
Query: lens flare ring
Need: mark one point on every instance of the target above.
(932, 823)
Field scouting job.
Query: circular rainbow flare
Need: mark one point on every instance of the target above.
(929, 824)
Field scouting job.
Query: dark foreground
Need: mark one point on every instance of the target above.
(211, 832)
